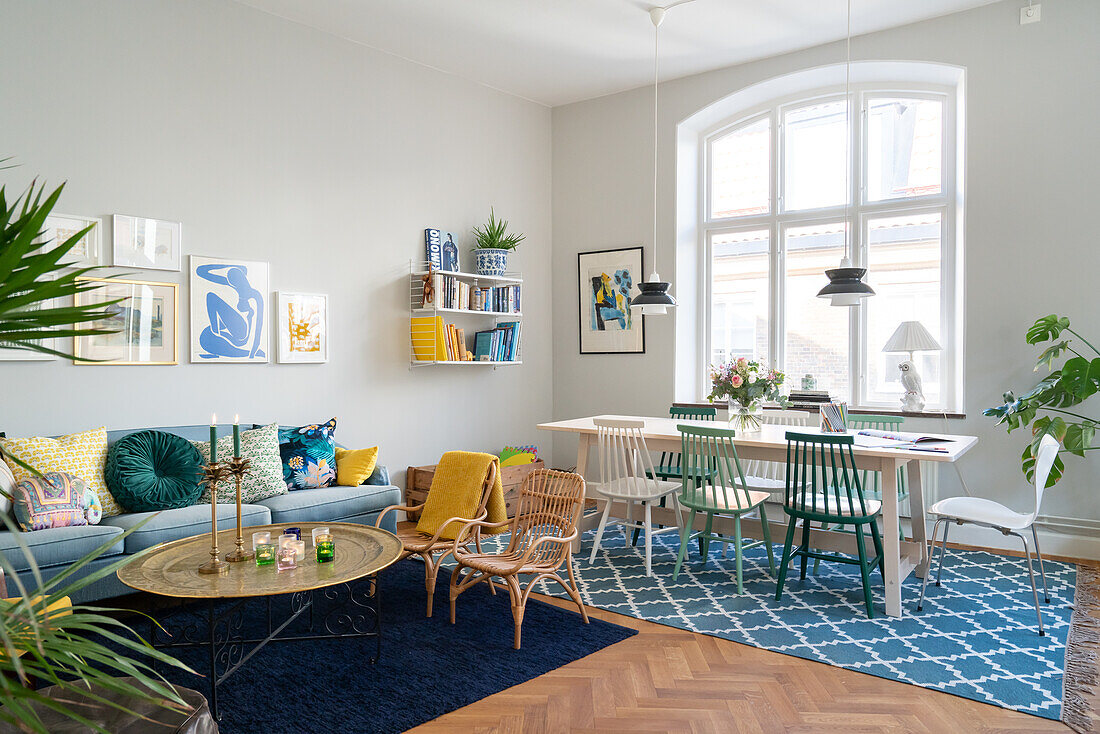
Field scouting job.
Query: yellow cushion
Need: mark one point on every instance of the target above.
(456, 492)
(354, 466)
(60, 608)
(80, 454)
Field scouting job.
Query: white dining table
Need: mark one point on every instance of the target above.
(902, 557)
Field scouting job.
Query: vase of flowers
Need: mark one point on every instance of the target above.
(745, 384)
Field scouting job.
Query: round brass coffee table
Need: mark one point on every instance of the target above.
(171, 570)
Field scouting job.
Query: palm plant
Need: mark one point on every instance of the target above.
(1045, 406)
(494, 235)
(70, 650)
(30, 302)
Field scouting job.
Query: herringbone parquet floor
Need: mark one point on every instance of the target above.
(669, 680)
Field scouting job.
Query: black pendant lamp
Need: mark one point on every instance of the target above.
(654, 300)
(846, 286)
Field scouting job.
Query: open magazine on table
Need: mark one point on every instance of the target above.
(888, 439)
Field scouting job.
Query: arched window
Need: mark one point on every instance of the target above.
(779, 182)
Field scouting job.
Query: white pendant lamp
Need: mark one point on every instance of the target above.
(846, 286)
(654, 300)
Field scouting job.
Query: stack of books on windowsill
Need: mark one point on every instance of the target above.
(809, 399)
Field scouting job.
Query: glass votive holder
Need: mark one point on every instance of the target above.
(318, 531)
(286, 540)
(299, 550)
(287, 558)
(326, 548)
(265, 554)
(264, 536)
(296, 532)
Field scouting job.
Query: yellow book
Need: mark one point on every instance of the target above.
(427, 338)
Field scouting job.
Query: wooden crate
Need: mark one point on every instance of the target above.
(418, 480)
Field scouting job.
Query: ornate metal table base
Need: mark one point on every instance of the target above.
(349, 610)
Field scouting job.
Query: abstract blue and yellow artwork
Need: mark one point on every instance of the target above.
(229, 320)
(607, 281)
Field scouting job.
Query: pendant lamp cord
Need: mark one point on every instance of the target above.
(656, 61)
(848, 137)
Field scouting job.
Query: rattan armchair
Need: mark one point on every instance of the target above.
(414, 542)
(545, 524)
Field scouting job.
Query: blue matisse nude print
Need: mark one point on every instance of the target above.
(228, 308)
(611, 300)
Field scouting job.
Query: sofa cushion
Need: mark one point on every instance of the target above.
(81, 454)
(265, 472)
(330, 504)
(355, 466)
(53, 500)
(154, 470)
(169, 525)
(308, 455)
(58, 546)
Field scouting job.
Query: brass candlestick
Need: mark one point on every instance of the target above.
(238, 467)
(211, 475)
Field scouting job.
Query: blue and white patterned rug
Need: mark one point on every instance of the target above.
(976, 636)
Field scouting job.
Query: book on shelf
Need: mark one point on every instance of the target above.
(428, 340)
(441, 249)
(450, 292)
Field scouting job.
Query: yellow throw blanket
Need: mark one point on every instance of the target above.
(456, 492)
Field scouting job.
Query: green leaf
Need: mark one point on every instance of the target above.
(1079, 437)
(1047, 328)
(1028, 460)
(1050, 354)
(1080, 378)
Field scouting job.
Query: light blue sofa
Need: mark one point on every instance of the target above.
(54, 550)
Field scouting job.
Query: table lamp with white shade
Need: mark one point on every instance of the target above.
(909, 337)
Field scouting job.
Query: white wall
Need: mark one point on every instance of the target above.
(271, 141)
(1033, 169)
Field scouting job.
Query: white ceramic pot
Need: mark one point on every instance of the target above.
(491, 261)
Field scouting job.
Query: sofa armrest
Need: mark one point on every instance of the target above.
(380, 476)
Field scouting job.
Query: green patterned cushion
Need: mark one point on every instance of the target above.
(261, 447)
(153, 470)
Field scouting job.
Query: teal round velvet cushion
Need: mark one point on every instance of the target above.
(153, 470)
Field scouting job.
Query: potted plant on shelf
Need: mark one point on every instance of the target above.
(1076, 381)
(745, 384)
(494, 242)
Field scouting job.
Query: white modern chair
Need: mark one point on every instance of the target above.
(626, 469)
(990, 514)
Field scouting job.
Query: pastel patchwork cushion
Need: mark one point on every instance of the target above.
(93, 513)
(309, 455)
(81, 454)
(55, 500)
(265, 472)
(154, 470)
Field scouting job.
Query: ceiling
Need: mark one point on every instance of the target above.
(560, 51)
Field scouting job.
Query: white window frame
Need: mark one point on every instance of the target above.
(947, 203)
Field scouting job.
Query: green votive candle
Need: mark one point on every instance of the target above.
(326, 548)
(265, 554)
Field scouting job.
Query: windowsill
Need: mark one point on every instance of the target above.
(853, 411)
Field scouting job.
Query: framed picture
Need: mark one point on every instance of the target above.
(152, 244)
(303, 327)
(605, 284)
(60, 227)
(146, 323)
(11, 354)
(229, 310)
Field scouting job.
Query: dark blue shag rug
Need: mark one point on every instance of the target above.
(427, 668)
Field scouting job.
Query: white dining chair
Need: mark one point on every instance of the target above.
(990, 514)
(626, 471)
(771, 476)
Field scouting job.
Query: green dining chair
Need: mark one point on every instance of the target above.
(709, 453)
(823, 486)
(872, 480)
(669, 465)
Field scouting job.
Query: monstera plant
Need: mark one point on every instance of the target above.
(1050, 407)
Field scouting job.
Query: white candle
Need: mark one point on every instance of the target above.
(264, 536)
(318, 531)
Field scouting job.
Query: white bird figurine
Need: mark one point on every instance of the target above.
(913, 400)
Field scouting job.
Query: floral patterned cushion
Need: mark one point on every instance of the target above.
(265, 478)
(80, 454)
(309, 455)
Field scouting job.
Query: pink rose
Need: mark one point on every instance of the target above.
(741, 361)
(736, 380)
